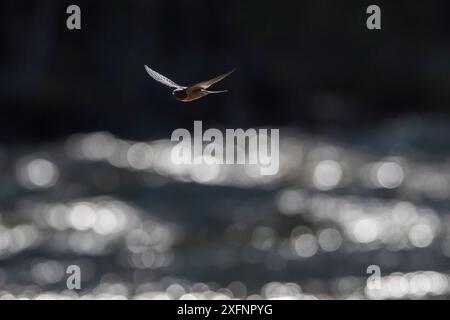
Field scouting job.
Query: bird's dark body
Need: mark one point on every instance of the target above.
(189, 94)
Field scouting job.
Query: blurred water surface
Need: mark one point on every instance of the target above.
(140, 226)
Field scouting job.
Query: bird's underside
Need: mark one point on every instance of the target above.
(189, 93)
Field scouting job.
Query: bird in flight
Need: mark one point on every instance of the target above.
(189, 93)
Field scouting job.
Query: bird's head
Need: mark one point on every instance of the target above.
(179, 93)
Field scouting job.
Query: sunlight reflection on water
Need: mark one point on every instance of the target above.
(142, 227)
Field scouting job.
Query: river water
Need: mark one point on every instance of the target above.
(354, 216)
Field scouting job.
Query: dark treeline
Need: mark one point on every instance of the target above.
(307, 64)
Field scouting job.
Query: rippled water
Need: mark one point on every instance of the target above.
(141, 227)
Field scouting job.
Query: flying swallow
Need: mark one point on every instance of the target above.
(189, 93)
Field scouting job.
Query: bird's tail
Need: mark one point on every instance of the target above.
(221, 91)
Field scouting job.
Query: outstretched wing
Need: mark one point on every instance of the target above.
(160, 78)
(208, 83)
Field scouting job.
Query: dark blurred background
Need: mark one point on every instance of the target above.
(308, 64)
(86, 177)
